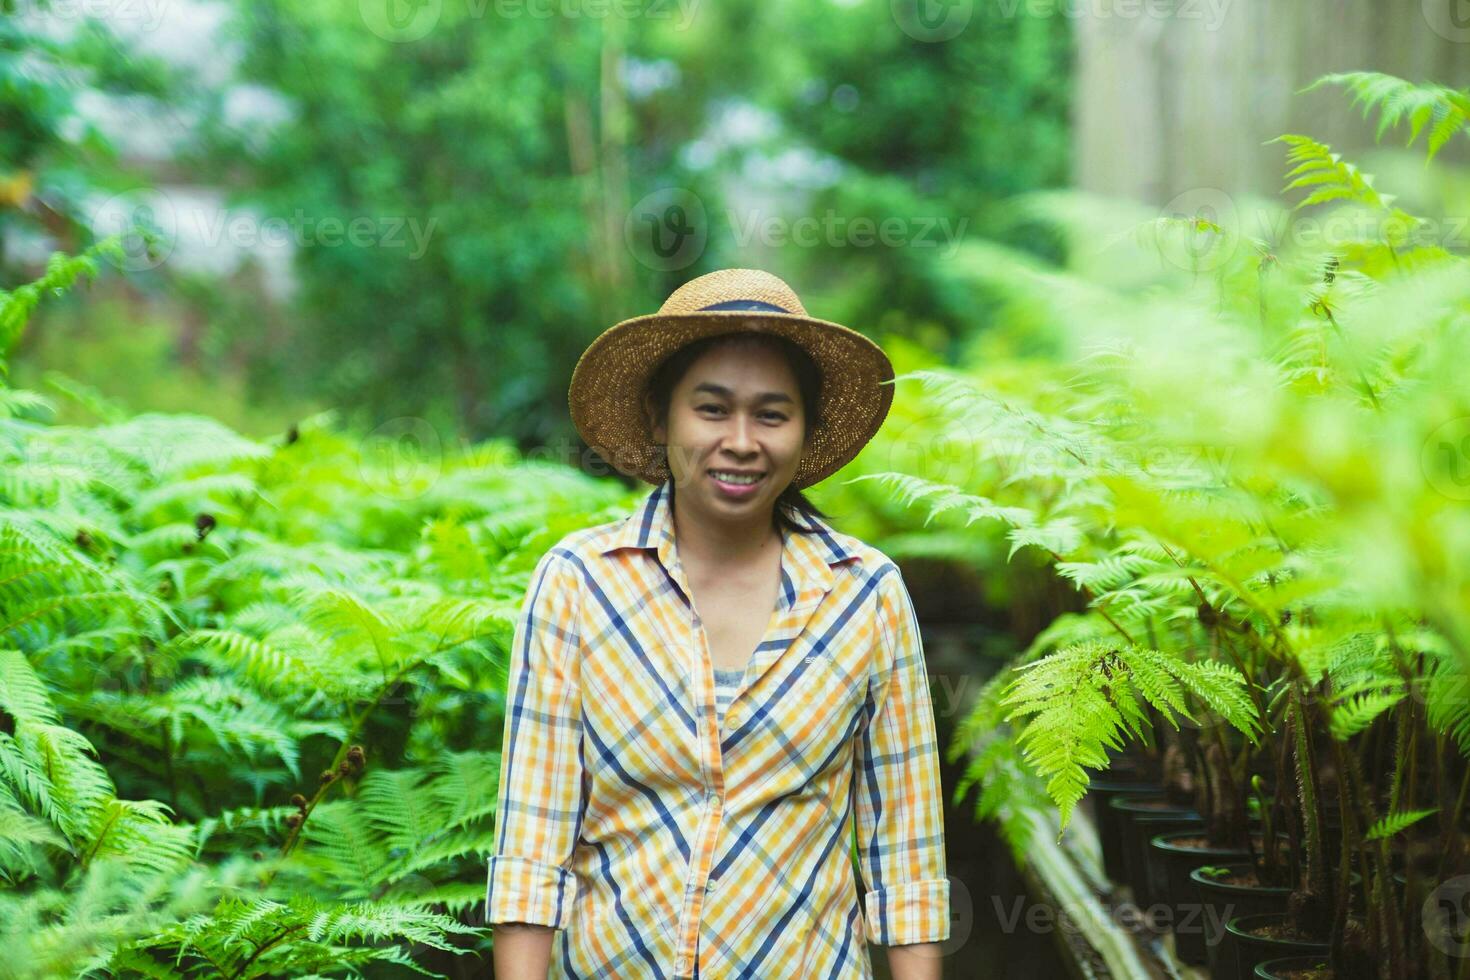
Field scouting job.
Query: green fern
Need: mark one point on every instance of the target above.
(1444, 110)
(62, 273)
(1088, 698)
(1396, 823)
(259, 938)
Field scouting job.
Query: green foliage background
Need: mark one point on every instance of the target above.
(226, 623)
(252, 658)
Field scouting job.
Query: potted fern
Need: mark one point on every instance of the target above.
(1248, 472)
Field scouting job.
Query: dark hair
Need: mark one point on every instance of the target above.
(667, 375)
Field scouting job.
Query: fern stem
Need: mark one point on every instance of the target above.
(1352, 356)
(1452, 827)
(1310, 801)
(352, 733)
(1385, 933)
(1252, 688)
(168, 764)
(1342, 895)
(101, 836)
(273, 941)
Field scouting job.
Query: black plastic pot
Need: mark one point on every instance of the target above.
(1174, 861)
(1109, 821)
(1134, 842)
(1132, 765)
(1146, 878)
(1277, 969)
(1221, 902)
(1252, 950)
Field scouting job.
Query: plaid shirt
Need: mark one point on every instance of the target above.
(655, 838)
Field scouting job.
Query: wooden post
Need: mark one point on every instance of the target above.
(1177, 95)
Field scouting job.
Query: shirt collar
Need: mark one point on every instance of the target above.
(806, 560)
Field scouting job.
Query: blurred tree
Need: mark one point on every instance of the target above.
(885, 116)
(53, 160)
(526, 156)
(464, 156)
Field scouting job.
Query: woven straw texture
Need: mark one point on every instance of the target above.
(607, 386)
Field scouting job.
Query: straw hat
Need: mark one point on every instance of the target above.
(606, 394)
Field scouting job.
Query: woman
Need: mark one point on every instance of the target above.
(711, 698)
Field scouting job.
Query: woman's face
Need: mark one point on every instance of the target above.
(737, 412)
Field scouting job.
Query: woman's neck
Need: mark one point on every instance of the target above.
(736, 542)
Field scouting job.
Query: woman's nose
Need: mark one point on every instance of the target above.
(742, 433)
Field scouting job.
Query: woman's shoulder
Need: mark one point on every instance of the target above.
(847, 551)
(581, 546)
(586, 548)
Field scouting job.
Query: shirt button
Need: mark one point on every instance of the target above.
(712, 797)
(712, 884)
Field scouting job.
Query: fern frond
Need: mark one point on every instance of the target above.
(941, 498)
(1087, 698)
(1396, 823)
(62, 272)
(1334, 178)
(1398, 100)
(1357, 711)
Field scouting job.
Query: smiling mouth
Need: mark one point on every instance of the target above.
(737, 479)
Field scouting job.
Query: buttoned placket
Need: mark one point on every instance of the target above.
(692, 913)
(802, 588)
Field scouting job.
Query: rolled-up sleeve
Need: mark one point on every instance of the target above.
(897, 797)
(540, 797)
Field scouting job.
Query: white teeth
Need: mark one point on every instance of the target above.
(733, 478)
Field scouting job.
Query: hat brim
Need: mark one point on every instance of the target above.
(605, 396)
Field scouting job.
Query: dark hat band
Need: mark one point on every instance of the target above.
(746, 304)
